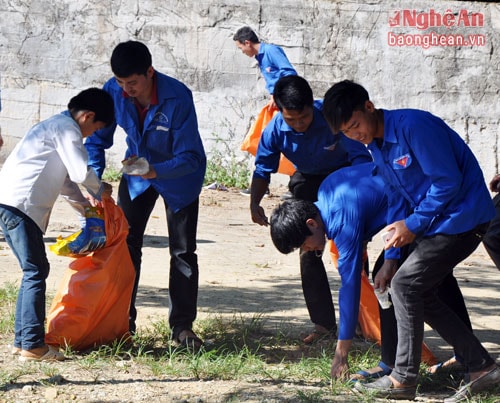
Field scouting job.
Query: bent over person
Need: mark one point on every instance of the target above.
(158, 115)
(351, 209)
(300, 132)
(437, 198)
(49, 160)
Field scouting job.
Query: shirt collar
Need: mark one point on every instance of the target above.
(389, 130)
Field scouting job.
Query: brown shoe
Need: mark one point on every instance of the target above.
(52, 354)
(188, 340)
(319, 333)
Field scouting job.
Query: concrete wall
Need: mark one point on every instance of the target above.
(51, 49)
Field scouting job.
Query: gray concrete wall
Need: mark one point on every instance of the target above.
(51, 49)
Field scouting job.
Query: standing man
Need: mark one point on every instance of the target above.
(300, 132)
(158, 115)
(272, 60)
(49, 160)
(437, 197)
(273, 65)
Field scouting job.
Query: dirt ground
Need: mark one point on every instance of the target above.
(240, 273)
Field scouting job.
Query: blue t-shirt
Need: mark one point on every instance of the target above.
(316, 151)
(169, 141)
(433, 179)
(273, 64)
(353, 208)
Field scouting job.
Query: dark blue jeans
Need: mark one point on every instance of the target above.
(183, 279)
(414, 295)
(25, 239)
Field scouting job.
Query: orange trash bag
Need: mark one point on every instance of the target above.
(252, 139)
(369, 315)
(91, 306)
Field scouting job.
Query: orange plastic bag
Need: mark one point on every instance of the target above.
(369, 315)
(91, 306)
(252, 139)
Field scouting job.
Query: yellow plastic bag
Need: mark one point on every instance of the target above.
(90, 238)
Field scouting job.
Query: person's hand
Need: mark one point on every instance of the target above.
(402, 235)
(151, 173)
(107, 190)
(340, 365)
(495, 183)
(385, 274)
(258, 214)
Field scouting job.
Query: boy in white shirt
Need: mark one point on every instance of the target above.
(49, 160)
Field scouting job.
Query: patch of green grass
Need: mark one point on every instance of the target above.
(111, 174)
(224, 164)
(227, 170)
(8, 296)
(238, 348)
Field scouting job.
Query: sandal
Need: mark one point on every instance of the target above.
(450, 364)
(371, 376)
(186, 339)
(53, 354)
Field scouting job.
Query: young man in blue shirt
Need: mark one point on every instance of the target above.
(437, 198)
(351, 209)
(300, 132)
(158, 115)
(272, 59)
(273, 64)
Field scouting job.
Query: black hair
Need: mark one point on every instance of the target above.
(293, 93)
(94, 100)
(129, 58)
(288, 224)
(341, 100)
(245, 34)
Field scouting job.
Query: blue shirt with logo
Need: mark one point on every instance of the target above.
(169, 141)
(433, 180)
(316, 151)
(273, 64)
(353, 208)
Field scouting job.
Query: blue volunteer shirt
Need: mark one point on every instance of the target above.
(316, 151)
(273, 64)
(169, 140)
(353, 207)
(433, 180)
